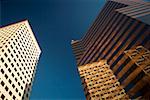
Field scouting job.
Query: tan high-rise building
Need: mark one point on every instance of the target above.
(100, 83)
(19, 55)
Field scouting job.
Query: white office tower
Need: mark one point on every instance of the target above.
(19, 55)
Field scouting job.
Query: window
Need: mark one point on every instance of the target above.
(15, 69)
(14, 51)
(8, 50)
(19, 83)
(6, 76)
(3, 97)
(16, 90)
(16, 79)
(11, 46)
(14, 97)
(9, 60)
(15, 60)
(13, 86)
(5, 54)
(10, 93)
(6, 88)
(2, 83)
(18, 74)
(2, 71)
(6, 65)
(14, 43)
(2, 59)
(9, 81)
(9, 70)
(12, 55)
(17, 56)
(12, 75)
(19, 94)
(12, 64)
(27, 95)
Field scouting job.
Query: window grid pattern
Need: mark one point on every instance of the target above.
(99, 82)
(6, 33)
(19, 55)
(141, 57)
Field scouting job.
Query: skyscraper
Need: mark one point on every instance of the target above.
(19, 55)
(121, 25)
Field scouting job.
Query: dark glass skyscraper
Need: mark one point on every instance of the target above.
(121, 35)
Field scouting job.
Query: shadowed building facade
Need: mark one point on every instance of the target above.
(121, 26)
(77, 49)
(19, 55)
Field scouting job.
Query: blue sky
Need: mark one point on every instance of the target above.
(55, 23)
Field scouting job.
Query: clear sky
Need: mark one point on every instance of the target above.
(55, 23)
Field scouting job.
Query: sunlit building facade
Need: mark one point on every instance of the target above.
(99, 82)
(19, 55)
(121, 26)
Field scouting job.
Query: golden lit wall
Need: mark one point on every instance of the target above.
(99, 82)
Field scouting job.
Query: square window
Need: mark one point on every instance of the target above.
(18, 74)
(6, 88)
(12, 55)
(11, 46)
(14, 97)
(17, 56)
(9, 70)
(6, 76)
(15, 60)
(16, 79)
(14, 51)
(13, 86)
(12, 64)
(5, 54)
(2, 71)
(16, 90)
(19, 83)
(10, 93)
(2, 83)
(14, 43)
(10, 81)
(21, 87)
(12, 75)
(19, 94)
(8, 50)
(2, 59)
(15, 69)
(27, 95)
(9, 60)
(3, 97)
(6, 65)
